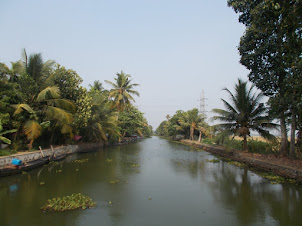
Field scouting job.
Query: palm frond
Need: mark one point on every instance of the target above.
(50, 92)
(64, 104)
(21, 107)
(58, 114)
(32, 129)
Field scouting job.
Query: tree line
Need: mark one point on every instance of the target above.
(44, 103)
(271, 49)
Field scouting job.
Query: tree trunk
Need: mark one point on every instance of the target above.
(284, 140)
(292, 153)
(191, 132)
(245, 143)
(199, 139)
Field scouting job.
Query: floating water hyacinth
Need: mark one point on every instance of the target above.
(80, 160)
(74, 201)
(213, 160)
(135, 165)
(236, 163)
(114, 181)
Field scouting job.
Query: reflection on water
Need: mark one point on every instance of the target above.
(185, 190)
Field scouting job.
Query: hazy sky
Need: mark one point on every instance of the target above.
(173, 49)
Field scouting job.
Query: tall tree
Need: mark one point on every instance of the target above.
(271, 49)
(102, 124)
(122, 91)
(244, 113)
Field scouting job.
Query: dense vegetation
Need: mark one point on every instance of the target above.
(43, 103)
(271, 50)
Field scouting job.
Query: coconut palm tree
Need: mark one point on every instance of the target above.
(122, 91)
(36, 68)
(46, 107)
(103, 121)
(17, 68)
(244, 113)
(191, 119)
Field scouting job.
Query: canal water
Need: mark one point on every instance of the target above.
(159, 183)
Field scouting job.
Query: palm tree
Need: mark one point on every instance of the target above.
(245, 113)
(192, 120)
(97, 86)
(36, 68)
(103, 121)
(47, 106)
(122, 91)
(13, 72)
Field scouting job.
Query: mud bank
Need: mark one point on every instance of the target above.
(284, 167)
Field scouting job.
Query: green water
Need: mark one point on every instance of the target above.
(184, 189)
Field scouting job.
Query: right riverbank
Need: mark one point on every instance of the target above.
(281, 166)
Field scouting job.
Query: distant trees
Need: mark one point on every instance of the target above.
(244, 113)
(186, 124)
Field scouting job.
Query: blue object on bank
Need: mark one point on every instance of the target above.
(16, 162)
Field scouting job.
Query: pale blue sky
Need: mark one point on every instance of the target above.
(173, 49)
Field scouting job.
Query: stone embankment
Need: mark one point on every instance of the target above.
(68, 149)
(286, 168)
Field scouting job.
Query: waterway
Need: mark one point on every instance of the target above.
(160, 183)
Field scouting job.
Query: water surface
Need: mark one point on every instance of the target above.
(160, 183)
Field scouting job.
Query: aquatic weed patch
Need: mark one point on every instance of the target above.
(236, 163)
(80, 160)
(135, 165)
(274, 179)
(74, 201)
(213, 160)
(114, 181)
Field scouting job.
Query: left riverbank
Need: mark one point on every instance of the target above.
(33, 155)
(60, 150)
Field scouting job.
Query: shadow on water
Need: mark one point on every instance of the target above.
(152, 182)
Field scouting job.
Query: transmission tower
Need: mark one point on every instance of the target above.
(202, 104)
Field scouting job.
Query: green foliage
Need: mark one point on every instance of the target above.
(271, 50)
(122, 91)
(74, 201)
(83, 110)
(48, 105)
(253, 146)
(102, 124)
(245, 113)
(132, 122)
(6, 152)
(68, 81)
(185, 124)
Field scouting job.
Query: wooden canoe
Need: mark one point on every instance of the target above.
(10, 170)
